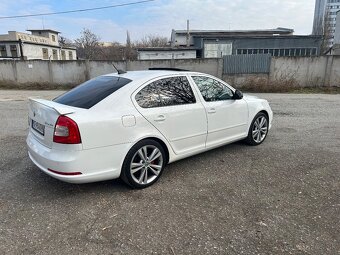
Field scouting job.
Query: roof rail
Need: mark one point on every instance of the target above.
(166, 69)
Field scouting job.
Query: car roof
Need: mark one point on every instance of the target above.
(146, 75)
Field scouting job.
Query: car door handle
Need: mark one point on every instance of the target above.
(212, 110)
(160, 118)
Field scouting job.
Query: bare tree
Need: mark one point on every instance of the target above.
(63, 41)
(88, 45)
(115, 52)
(130, 52)
(327, 35)
(152, 41)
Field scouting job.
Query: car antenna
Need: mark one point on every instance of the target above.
(119, 71)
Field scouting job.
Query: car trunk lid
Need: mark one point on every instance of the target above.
(43, 115)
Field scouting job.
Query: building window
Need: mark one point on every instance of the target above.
(70, 55)
(3, 52)
(313, 52)
(53, 38)
(45, 53)
(55, 55)
(63, 55)
(298, 52)
(14, 51)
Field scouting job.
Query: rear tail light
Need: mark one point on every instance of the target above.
(66, 131)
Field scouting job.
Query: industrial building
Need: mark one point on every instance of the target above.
(40, 44)
(325, 19)
(218, 43)
(280, 42)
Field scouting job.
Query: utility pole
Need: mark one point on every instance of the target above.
(188, 34)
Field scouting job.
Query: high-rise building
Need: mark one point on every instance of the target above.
(325, 18)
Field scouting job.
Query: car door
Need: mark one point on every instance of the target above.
(227, 117)
(170, 105)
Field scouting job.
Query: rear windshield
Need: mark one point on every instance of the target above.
(92, 92)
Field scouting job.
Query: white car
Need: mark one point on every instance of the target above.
(131, 124)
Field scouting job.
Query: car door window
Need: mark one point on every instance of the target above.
(212, 90)
(166, 92)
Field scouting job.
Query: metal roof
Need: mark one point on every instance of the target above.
(278, 30)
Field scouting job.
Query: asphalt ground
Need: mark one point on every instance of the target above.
(282, 197)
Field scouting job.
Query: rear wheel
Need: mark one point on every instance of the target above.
(143, 164)
(258, 129)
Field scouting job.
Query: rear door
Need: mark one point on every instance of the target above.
(170, 105)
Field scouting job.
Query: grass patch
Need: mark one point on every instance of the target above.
(291, 89)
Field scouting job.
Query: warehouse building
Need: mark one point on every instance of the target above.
(218, 43)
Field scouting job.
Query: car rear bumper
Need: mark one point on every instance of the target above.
(97, 164)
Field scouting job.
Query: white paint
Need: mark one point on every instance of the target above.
(217, 50)
(184, 129)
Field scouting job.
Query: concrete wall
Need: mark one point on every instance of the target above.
(297, 71)
(53, 73)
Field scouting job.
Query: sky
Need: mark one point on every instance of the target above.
(158, 17)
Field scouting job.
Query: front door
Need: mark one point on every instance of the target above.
(170, 105)
(227, 117)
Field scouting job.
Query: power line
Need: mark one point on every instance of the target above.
(80, 10)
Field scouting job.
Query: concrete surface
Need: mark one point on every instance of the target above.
(281, 197)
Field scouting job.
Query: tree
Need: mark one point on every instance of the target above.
(63, 41)
(152, 41)
(130, 52)
(115, 52)
(327, 35)
(88, 45)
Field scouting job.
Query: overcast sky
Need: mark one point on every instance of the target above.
(158, 17)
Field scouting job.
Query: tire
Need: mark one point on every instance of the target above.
(258, 129)
(139, 169)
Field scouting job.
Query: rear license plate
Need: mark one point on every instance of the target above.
(38, 127)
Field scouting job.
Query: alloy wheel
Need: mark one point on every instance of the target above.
(146, 164)
(260, 129)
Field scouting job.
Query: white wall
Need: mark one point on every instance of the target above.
(32, 51)
(152, 55)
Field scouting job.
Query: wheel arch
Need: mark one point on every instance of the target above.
(161, 142)
(265, 112)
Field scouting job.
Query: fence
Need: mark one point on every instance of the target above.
(246, 64)
(301, 71)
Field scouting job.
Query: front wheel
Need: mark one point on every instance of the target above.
(143, 164)
(258, 129)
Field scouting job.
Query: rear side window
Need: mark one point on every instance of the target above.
(166, 92)
(92, 92)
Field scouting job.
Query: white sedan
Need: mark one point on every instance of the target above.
(131, 124)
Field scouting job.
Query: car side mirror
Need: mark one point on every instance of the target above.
(238, 95)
